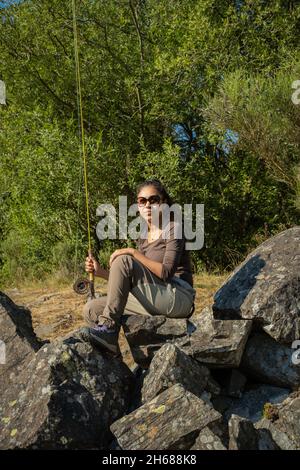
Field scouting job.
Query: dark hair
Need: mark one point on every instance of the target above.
(160, 188)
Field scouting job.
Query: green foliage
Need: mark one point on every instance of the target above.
(270, 412)
(261, 112)
(162, 84)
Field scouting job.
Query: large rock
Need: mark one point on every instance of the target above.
(235, 384)
(66, 396)
(265, 440)
(251, 404)
(208, 440)
(169, 366)
(244, 436)
(216, 343)
(284, 423)
(60, 395)
(18, 338)
(266, 288)
(172, 420)
(146, 334)
(270, 362)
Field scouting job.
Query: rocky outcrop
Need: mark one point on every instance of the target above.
(208, 440)
(266, 288)
(216, 343)
(212, 382)
(235, 384)
(169, 366)
(172, 420)
(19, 339)
(283, 422)
(146, 334)
(265, 440)
(251, 404)
(271, 362)
(61, 395)
(244, 436)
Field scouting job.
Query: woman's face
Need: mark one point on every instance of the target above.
(148, 200)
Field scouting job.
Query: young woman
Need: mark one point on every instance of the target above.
(154, 279)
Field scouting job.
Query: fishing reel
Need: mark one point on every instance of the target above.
(84, 286)
(81, 286)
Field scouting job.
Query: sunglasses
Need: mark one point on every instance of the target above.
(142, 201)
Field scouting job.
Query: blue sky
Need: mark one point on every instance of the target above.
(7, 3)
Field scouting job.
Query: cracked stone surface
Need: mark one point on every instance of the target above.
(266, 288)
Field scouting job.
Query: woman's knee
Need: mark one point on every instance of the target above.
(92, 309)
(123, 263)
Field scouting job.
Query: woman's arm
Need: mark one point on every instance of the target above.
(154, 266)
(101, 272)
(92, 265)
(166, 269)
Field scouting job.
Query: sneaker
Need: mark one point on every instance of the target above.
(104, 336)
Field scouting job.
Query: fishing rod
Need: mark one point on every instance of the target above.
(82, 286)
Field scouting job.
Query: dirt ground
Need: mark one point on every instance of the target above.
(56, 311)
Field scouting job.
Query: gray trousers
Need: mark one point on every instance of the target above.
(133, 288)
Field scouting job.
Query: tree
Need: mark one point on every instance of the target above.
(154, 75)
(259, 109)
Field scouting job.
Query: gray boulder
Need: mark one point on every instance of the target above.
(216, 343)
(169, 366)
(146, 334)
(172, 420)
(66, 396)
(284, 423)
(270, 362)
(208, 440)
(18, 338)
(281, 439)
(266, 288)
(235, 384)
(58, 395)
(251, 404)
(242, 434)
(265, 440)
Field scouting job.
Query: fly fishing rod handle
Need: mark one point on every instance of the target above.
(91, 279)
(91, 275)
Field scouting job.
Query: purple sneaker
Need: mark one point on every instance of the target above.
(105, 335)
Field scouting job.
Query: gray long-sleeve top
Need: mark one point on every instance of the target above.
(170, 251)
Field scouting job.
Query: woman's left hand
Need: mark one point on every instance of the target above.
(122, 251)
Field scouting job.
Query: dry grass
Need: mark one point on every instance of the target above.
(57, 310)
(206, 286)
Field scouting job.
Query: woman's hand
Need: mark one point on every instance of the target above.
(122, 251)
(92, 265)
